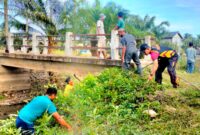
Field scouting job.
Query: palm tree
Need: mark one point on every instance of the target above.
(37, 13)
(6, 21)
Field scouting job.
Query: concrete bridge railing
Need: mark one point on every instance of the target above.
(32, 42)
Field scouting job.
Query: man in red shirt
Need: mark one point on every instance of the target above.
(162, 57)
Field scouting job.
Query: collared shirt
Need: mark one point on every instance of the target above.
(36, 108)
(128, 40)
(191, 54)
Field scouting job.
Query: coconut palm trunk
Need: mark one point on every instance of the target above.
(6, 22)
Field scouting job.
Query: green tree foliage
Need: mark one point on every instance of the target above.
(78, 16)
(189, 38)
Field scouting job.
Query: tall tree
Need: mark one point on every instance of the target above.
(6, 21)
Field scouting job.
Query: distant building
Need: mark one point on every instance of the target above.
(174, 38)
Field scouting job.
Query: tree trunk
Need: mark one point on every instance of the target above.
(6, 22)
(26, 25)
(51, 44)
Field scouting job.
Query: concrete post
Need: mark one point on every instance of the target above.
(24, 45)
(68, 44)
(45, 49)
(10, 42)
(35, 49)
(114, 44)
(148, 40)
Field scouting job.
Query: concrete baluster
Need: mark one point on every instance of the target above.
(35, 48)
(45, 49)
(10, 42)
(148, 40)
(114, 44)
(24, 45)
(68, 44)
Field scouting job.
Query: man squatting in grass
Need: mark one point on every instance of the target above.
(36, 108)
(162, 57)
(129, 50)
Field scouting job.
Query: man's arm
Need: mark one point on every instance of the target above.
(154, 69)
(123, 53)
(61, 121)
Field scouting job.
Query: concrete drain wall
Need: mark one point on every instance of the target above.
(14, 79)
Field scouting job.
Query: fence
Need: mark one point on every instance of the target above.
(36, 44)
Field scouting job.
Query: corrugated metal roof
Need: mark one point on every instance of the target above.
(171, 35)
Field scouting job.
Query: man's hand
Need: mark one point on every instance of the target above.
(150, 77)
(122, 61)
(61, 121)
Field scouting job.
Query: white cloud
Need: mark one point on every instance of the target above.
(192, 4)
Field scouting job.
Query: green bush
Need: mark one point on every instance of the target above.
(113, 103)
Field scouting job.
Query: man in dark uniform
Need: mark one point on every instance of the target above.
(162, 57)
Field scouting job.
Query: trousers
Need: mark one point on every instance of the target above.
(26, 129)
(170, 63)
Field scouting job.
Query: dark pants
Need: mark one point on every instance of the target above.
(170, 63)
(26, 129)
(132, 56)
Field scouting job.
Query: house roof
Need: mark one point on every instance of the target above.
(171, 35)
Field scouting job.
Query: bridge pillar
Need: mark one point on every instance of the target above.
(45, 49)
(35, 49)
(114, 44)
(148, 40)
(10, 42)
(24, 43)
(68, 44)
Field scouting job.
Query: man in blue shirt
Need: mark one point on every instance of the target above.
(191, 57)
(120, 23)
(36, 108)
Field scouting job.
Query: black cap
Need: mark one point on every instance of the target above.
(143, 47)
(120, 14)
(190, 44)
(68, 79)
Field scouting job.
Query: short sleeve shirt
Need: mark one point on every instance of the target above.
(36, 108)
(121, 24)
(128, 40)
(154, 55)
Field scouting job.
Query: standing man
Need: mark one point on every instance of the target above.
(120, 23)
(101, 38)
(191, 57)
(129, 50)
(36, 108)
(162, 57)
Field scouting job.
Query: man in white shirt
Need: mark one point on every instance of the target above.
(101, 38)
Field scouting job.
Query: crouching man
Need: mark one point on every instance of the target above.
(35, 109)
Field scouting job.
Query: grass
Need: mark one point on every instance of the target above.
(125, 97)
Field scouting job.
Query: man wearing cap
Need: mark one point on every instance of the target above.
(101, 38)
(162, 57)
(129, 50)
(191, 57)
